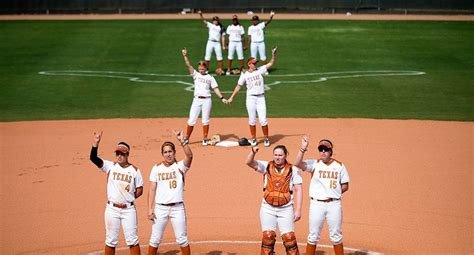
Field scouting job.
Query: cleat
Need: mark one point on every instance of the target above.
(205, 142)
(266, 142)
(253, 142)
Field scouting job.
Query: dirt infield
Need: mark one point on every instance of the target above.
(410, 191)
(281, 16)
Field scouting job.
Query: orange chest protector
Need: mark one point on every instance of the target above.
(277, 190)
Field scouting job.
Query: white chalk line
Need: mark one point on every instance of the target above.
(242, 242)
(325, 76)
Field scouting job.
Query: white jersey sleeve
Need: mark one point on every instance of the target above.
(344, 175)
(107, 166)
(138, 179)
(310, 165)
(262, 70)
(213, 82)
(183, 167)
(296, 178)
(262, 166)
(241, 81)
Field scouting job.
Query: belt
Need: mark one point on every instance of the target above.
(121, 206)
(258, 95)
(326, 200)
(172, 204)
(201, 97)
(257, 42)
(236, 41)
(213, 41)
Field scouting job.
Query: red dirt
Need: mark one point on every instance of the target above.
(411, 184)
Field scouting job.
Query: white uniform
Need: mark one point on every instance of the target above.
(258, 40)
(121, 186)
(169, 200)
(325, 184)
(202, 98)
(255, 100)
(283, 216)
(235, 33)
(214, 41)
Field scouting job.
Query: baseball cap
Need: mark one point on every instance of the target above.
(123, 147)
(215, 18)
(252, 60)
(255, 17)
(235, 17)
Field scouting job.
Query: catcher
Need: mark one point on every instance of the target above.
(282, 185)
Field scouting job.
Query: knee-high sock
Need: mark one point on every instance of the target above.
(253, 131)
(205, 131)
(265, 131)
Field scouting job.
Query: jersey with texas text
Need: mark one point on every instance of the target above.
(235, 32)
(215, 32)
(169, 182)
(256, 32)
(121, 182)
(203, 84)
(254, 81)
(326, 179)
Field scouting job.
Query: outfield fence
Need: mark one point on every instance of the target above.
(256, 6)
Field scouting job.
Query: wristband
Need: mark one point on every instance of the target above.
(222, 98)
(184, 142)
(303, 150)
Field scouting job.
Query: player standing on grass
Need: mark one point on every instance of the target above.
(203, 83)
(235, 32)
(255, 101)
(329, 179)
(281, 186)
(124, 186)
(215, 42)
(257, 38)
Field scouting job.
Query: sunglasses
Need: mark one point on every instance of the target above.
(322, 148)
(119, 153)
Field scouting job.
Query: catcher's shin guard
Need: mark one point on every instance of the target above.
(289, 241)
(268, 243)
(310, 249)
(109, 250)
(135, 249)
(186, 250)
(339, 249)
(152, 250)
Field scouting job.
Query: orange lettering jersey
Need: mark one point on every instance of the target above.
(169, 182)
(326, 180)
(121, 182)
(203, 84)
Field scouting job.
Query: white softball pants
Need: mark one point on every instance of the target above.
(233, 47)
(200, 105)
(320, 211)
(257, 105)
(258, 47)
(213, 46)
(271, 217)
(177, 215)
(114, 217)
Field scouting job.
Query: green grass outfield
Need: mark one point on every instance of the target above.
(443, 51)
